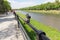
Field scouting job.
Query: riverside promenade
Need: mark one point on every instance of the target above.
(9, 28)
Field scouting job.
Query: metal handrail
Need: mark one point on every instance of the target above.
(26, 37)
(40, 34)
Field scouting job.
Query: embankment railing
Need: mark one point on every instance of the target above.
(40, 34)
(25, 36)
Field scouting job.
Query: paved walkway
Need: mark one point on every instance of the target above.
(8, 28)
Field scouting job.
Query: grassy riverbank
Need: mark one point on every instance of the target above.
(52, 33)
(56, 12)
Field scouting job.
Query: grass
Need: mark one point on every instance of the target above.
(54, 12)
(52, 33)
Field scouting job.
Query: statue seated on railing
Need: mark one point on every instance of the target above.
(28, 17)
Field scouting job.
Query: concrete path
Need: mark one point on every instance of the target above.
(9, 29)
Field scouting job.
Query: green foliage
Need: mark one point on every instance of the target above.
(4, 6)
(52, 33)
(7, 5)
(1, 6)
(46, 6)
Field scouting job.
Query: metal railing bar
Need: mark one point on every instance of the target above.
(26, 37)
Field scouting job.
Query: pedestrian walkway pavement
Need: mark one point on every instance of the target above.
(9, 29)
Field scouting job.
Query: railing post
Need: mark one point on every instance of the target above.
(26, 37)
(17, 20)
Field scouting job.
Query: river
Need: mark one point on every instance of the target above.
(50, 20)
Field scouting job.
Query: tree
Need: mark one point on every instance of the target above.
(57, 1)
(4, 6)
(7, 6)
(46, 6)
(1, 6)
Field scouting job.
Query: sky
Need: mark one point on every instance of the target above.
(16, 4)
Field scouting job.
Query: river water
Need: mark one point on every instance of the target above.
(50, 20)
